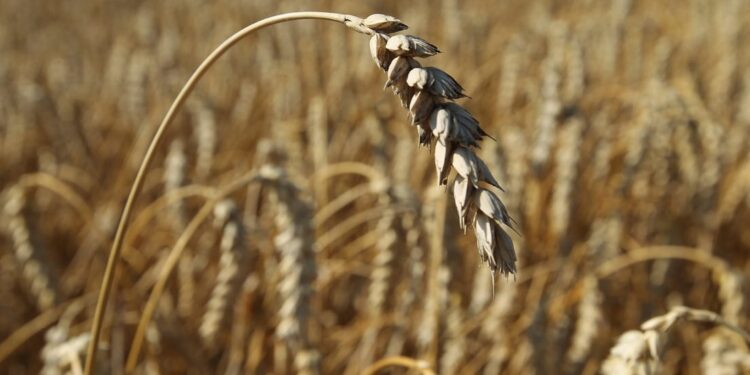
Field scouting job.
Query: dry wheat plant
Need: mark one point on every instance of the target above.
(289, 219)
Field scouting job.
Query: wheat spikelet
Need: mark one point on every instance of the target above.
(41, 283)
(297, 268)
(231, 269)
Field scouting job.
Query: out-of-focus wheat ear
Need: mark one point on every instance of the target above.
(514, 148)
(737, 192)
(724, 355)
(380, 280)
(602, 131)
(731, 294)
(639, 350)
(575, 72)
(566, 174)
(454, 348)
(231, 271)
(549, 105)
(500, 345)
(408, 299)
(513, 56)
(587, 326)
(204, 125)
(634, 353)
(174, 177)
(61, 353)
(133, 101)
(297, 267)
(410, 222)
(428, 332)
(39, 280)
(317, 125)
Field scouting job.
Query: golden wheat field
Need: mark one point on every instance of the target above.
(297, 217)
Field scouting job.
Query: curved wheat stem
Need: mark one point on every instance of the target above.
(114, 254)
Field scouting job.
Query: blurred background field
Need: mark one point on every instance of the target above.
(622, 143)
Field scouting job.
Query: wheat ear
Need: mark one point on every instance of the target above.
(452, 132)
(638, 351)
(231, 266)
(294, 243)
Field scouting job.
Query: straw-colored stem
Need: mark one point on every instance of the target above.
(114, 254)
(422, 366)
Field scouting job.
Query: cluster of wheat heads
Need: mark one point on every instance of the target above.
(622, 141)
